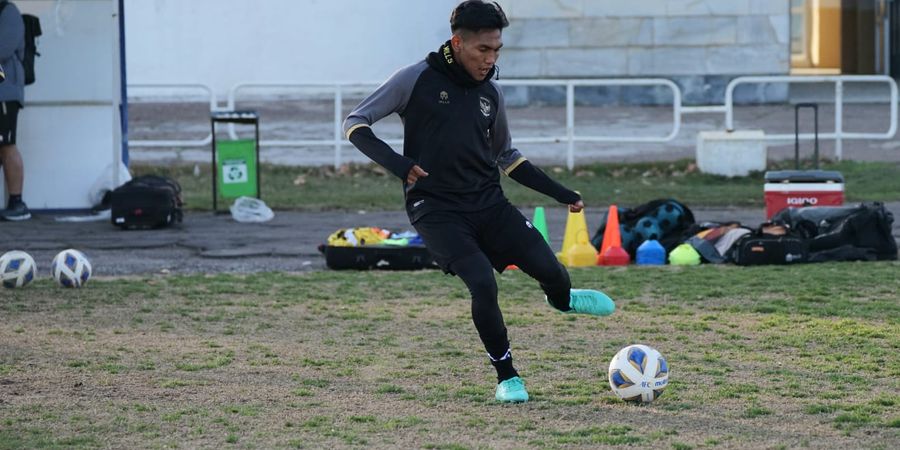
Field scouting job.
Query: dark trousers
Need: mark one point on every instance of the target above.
(471, 245)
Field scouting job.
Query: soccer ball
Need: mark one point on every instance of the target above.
(71, 268)
(638, 373)
(17, 269)
(648, 229)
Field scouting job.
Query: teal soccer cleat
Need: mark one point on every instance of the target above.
(588, 301)
(511, 391)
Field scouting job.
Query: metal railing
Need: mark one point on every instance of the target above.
(570, 136)
(338, 90)
(838, 135)
(335, 89)
(213, 106)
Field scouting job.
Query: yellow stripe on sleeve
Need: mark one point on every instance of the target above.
(354, 127)
(514, 165)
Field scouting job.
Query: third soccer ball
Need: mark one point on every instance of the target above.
(71, 268)
(638, 373)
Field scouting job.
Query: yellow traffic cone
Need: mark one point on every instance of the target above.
(577, 250)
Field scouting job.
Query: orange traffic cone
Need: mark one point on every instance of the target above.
(611, 251)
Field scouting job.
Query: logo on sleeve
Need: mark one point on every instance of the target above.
(444, 98)
(485, 106)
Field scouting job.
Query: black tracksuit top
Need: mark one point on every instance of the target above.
(457, 133)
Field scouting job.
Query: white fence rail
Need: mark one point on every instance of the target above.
(338, 90)
(839, 134)
(208, 94)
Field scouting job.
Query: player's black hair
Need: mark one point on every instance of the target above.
(477, 15)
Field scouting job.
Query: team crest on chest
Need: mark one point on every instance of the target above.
(485, 106)
(444, 98)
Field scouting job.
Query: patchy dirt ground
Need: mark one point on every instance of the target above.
(390, 360)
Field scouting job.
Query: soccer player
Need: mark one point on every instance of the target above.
(456, 143)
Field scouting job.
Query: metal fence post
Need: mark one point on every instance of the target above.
(338, 132)
(838, 118)
(570, 124)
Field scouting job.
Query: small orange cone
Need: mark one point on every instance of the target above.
(611, 251)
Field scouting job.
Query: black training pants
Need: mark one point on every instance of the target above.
(473, 244)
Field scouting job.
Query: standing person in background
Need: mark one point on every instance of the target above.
(456, 143)
(12, 97)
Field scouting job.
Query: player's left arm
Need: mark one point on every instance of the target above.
(517, 167)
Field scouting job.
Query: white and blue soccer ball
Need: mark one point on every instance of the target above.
(17, 269)
(638, 373)
(70, 268)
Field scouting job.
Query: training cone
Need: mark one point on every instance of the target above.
(577, 250)
(611, 251)
(540, 223)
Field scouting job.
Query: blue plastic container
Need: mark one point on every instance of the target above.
(651, 253)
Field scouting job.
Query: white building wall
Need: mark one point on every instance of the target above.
(638, 38)
(224, 42)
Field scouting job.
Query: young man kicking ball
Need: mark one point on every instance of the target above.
(456, 142)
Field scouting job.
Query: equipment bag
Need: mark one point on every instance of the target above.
(148, 201)
(32, 32)
(862, 232)
(771, 243)
(377, 257)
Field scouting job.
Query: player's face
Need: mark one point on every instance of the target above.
(478, 51)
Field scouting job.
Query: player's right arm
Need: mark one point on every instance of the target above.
(391, 97)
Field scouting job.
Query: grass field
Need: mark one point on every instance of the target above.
(370, 187)
(768, 357)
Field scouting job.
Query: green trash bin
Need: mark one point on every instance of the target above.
(235, 162)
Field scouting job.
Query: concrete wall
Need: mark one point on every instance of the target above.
(700, 44)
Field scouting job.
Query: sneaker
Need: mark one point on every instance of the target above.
(16, 212)
(588, 301)
(511, 391)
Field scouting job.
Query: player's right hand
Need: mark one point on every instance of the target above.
(414, 174)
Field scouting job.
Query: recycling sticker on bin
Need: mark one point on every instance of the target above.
(234, 171)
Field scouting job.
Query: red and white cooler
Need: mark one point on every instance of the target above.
(798, 188)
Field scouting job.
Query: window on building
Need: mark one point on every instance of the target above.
(841, 36)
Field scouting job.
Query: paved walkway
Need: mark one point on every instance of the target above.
(289, 119)
(207, 243)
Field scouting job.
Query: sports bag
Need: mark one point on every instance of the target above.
(32, 32)
(148, 201)
(771, 243)
(847, 233)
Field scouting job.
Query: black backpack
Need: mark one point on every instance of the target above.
(32, 31)
(148, 201)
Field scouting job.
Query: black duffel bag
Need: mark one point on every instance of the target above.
(847, 233)
(772, 243)
(147, 201)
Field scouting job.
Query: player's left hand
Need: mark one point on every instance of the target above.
(576, 207)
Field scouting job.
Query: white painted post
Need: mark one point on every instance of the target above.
(570, 124)
(838, 118)
(338, 132)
